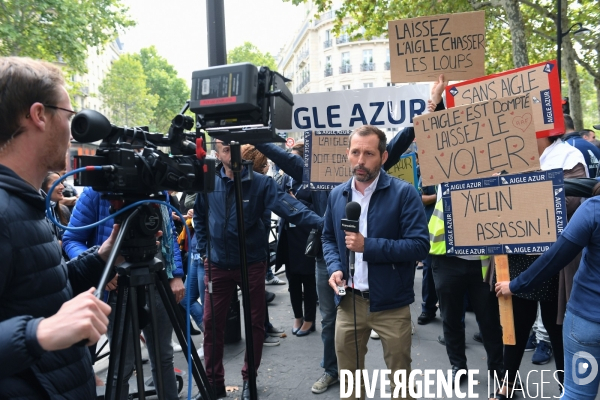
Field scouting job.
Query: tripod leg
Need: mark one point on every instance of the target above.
(137, 350)
(116, 341)
(198, 372)
(160, 389)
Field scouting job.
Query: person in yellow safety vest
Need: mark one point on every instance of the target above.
(455, 277)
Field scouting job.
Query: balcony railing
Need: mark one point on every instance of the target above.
(327, 44)
(301, 58)
(386, 65)
(367, 67)
(342, 39)
(303, 83)
(346, 69)
(328, 72)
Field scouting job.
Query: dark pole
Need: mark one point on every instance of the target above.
(559, 37)
(215, 25)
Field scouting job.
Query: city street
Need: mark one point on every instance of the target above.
(289, 370)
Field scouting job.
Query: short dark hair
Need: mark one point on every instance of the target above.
(367, 130)
(299, 147)
(569, 122)
(24, 81)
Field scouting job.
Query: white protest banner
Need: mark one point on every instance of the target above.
(423, 48)
(340, 112)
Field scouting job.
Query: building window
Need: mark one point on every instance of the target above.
(386, 65)
(328, 89)
(368, 85)
(328, 68)
(391, 84)
(345, 87)
(345, 68)
(328, 42)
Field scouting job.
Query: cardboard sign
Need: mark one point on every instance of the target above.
(507, 214)
(406, 169)
(477, 140)
(539, 80)
(343, 111)
(423, 48)
(325, 161)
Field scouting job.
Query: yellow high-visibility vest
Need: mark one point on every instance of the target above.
(437, 236)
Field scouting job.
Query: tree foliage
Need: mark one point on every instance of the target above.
(250, 53)
(162, 81)
(59, 30)
(125, 92)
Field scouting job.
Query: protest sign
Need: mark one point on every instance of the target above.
(507, 214)
(343, 111)
(423, 48)
(539, 80)
(325, 160)
(477, 140)
(406, 169)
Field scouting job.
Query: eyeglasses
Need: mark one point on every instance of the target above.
(71, 112)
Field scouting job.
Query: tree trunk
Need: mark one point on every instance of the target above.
(517, 32)
(597, 85)
(568, 65)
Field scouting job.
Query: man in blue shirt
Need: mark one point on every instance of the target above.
(590, 152)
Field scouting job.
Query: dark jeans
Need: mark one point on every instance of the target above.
(328, 315)
(224, 284)
(524, 313)
(297, 284)
(430, 299)
(453, 278)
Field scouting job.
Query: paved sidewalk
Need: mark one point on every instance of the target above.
(289, 370)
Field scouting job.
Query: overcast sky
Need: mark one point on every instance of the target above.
(178, 28)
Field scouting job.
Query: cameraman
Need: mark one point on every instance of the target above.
(40, 317)
(260, 193)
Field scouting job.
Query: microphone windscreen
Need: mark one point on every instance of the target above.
(353, 211)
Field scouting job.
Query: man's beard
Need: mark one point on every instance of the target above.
(55, 157)
(369, 174)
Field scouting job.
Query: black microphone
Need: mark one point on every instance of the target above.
(350, 224)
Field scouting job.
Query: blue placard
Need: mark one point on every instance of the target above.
(499, 211)
(406, 169)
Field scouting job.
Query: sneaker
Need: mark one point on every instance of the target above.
(425, 318)
(374, 335)
(323, 383)
(543, 353)
(201, 352)
(270, 341)
(275, 281)
(275, 332)
(531, 343)
(176, 346)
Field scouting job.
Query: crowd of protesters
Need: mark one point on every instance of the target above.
(399, 228)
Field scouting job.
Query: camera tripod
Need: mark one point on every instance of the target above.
(140, 277)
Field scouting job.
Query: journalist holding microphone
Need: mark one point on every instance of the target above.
(391, 236)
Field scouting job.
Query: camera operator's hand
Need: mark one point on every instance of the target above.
(104, 250)
(83, 317)
(190, 214)
(178, 288)
(112, 285)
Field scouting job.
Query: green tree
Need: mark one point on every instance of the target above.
(162, 81)
(529, 25)
(250, 53)
(59, 30)
(125, 92)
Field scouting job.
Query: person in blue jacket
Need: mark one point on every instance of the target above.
(392, 236)
(90, 208)
(293, 166)
(590, 152)
(260, 193)
(581, 326)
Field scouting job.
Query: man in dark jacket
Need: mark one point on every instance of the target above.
(260, 193)
(40, 319)
(392, 237)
